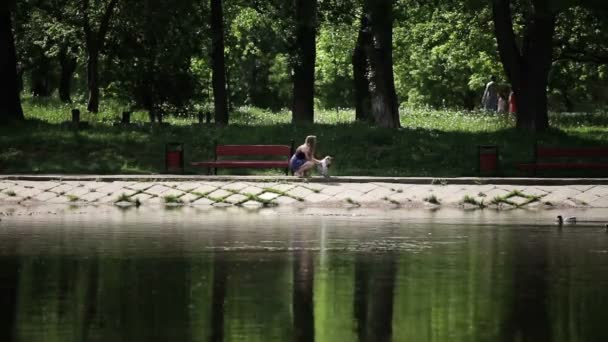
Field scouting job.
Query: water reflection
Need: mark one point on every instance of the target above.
(326, 281)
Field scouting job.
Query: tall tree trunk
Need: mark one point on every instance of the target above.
(361, 296)
(10, 104)
(383, 295)
(527, 68)
(93, 80)
(218, 64)
(530, 313)
(40, 77)
(94, 44)
(306, 54)
(303, 293)
(360, 69)
(9, 290)
(68, 67)
(220, 282)
(384, 103)
(374, 297)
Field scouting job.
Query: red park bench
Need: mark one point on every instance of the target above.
(571, 158)
(284, 152)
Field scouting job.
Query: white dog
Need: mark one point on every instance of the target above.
(323, 166)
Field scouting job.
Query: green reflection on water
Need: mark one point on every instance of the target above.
(468, 285)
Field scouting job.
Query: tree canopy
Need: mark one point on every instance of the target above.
(160, 56)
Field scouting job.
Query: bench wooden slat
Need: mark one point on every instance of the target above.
(253, 150)
(221, 151)
(253, 164)
(567, 158)
(550, 152)
(562, 166)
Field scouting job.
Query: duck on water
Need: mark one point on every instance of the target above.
(573, 220)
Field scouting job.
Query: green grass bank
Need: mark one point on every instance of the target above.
(431, 143)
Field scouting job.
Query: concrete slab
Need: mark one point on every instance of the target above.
(316, 198)
(586, 197)
(78, 191)
(202, 202)
(62, 188)
(600, 190)
(252, 204)
(188, 186)
(376, 195)
(92, 196)
(173, 192)
(59, 200)
(284, 187)
(142, 197)
(284, 200)
(219, 194)
(251, 190)
(347, 194)
(204, 189)
(361, 187)
(299, 192)
(141, 186)
(533, 191)
(268, 196)
(518, 200)
(189, 198)
(333, 189)
(236, 186)
(45, 196)
(560, 195)
(601, 202)
(236, 198)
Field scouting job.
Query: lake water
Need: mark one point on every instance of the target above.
(238, 276)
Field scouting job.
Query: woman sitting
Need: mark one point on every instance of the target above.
(304, 158)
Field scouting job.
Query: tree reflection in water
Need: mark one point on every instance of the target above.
(467, 284)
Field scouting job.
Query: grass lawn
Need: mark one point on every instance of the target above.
(431, 143)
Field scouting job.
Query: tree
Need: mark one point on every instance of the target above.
(68, 62)
(528, 64)
(304, 65)
(527, 67)
(375, 49)
(218, 64)
(94, 42)
(363, 105)
(151, 61)
(10, 103)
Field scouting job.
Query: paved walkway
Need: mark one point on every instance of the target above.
(272, 191)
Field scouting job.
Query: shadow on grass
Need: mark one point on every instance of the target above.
(40, 147)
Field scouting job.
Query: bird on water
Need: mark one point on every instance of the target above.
(570, 220)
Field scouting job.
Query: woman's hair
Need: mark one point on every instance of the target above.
(311, 141)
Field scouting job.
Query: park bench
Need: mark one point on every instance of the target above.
(239, 157)
(567, 158)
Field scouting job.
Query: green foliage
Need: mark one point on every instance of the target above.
(432, 143)
(444, 55)
(334, 73)
(153, 60)
(156, 55)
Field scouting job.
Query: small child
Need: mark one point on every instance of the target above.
(502, 103)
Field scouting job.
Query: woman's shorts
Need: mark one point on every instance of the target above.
(296, 164)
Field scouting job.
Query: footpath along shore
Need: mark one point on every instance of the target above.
(335, 192)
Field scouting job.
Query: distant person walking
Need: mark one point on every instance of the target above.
(489, 101)
(512, 104)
